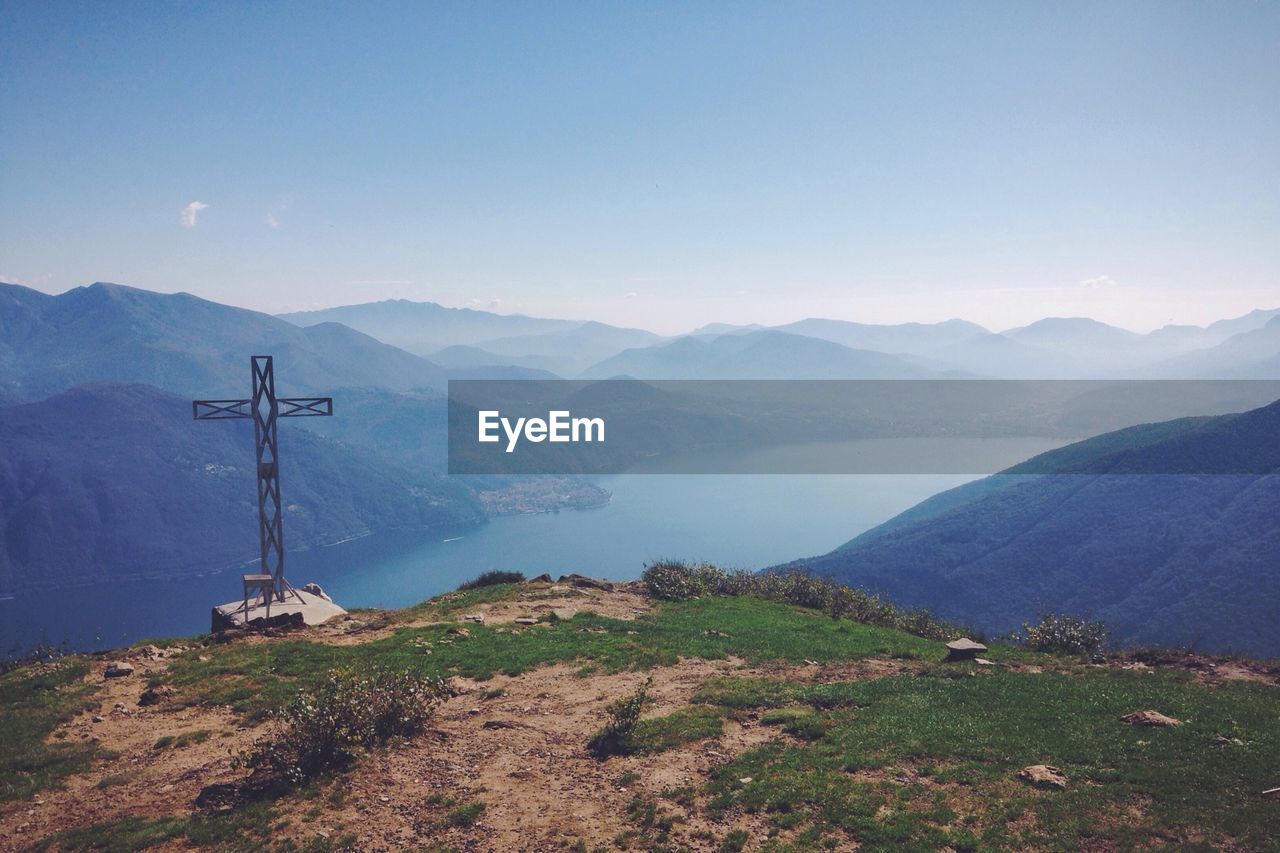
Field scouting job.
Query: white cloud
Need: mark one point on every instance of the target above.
(273, 214)
(490, 304)
(630, 294)
(190, 212)
(1098, 282)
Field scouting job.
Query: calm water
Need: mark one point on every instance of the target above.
(743, 521)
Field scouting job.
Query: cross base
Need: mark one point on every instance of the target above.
(240, 613)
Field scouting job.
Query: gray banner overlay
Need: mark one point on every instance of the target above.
(960, 426)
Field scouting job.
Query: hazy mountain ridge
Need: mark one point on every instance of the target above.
(1173, 559)
(757, 355)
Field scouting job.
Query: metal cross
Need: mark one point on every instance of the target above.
(264, 408)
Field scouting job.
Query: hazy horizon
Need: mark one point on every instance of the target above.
(681, 331)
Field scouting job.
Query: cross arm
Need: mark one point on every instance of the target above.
(216, 410)
(304, 407)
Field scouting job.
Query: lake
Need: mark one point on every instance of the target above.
(739, 521)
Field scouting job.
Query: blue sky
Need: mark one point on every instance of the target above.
(651, 164)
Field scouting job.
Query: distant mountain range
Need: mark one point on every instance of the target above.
(1052, 348)
(101, 477)
(1166, 558)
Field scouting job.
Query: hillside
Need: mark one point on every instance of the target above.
(113, 481)
(1165, 531)
(766, 726)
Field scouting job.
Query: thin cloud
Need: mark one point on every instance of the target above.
(277, 210)
(1099, 282)
(377, 282)
(190, 212)
(630, 294)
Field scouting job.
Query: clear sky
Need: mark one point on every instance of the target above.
(652, 164)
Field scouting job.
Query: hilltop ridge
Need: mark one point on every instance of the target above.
(764, 724)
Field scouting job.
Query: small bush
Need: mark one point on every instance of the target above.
(325, 729)
(670, 580)
(492, 579)
(466, 815)
(1065, 634)
(623, 716)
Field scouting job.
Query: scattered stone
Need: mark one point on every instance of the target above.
(745, 780)
(713, 632)
(542, 578)
(155, 695)
(526, 620)
(565, 612)
(808, 662)
(117, 669)
(1044, 776)
(1150, 718)
(150, 652)
(316, 590)
(964, 649)
(984, 662)
(583, 580)
(459, 632)
(97, 718)
(1270, 791)
(502, 724)
(473, 617)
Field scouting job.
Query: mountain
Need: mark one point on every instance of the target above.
(1162, 555)
(1253, 354)
(183, 344)
(756, 355)
(921, 339)
(466, 357)
(112, 481)
(424, 327)
(569, 351)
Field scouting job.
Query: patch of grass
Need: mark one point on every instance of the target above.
(256, 678)
(34, 700)
(694, 723)
(803, 723)
(466, 815)
(1127, 786)
(114, 780)
(182, 740)
(242, 829)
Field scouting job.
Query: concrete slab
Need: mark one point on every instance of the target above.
(313, 608)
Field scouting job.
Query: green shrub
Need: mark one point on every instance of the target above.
(326, 728)
(492, 579)
(623, 716)
(671, 580)
(1065, 634)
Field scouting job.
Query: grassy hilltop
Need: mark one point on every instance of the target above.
(763, 724)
